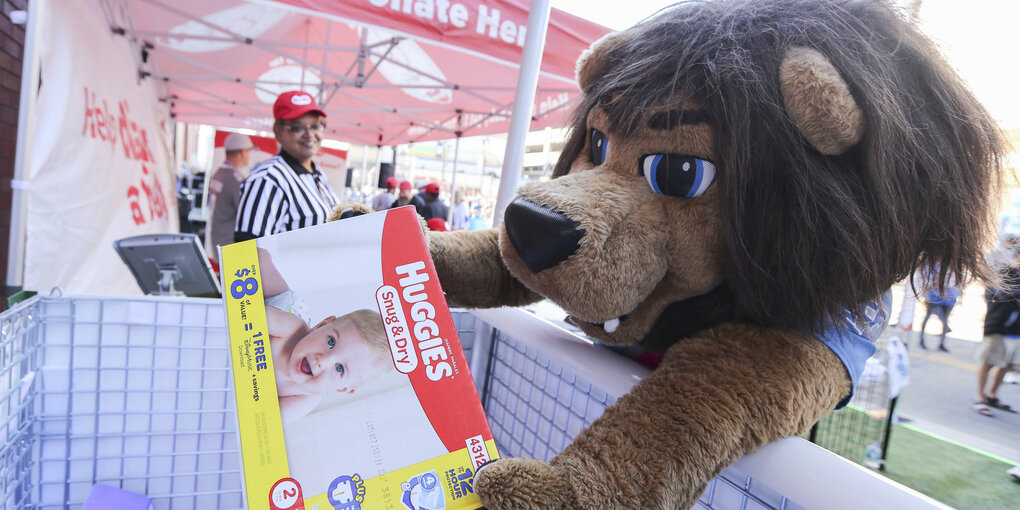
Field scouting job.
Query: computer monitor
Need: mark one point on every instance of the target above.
(169, 264)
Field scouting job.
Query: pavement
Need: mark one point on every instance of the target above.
(943, 386)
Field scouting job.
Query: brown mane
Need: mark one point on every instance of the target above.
(809, 235)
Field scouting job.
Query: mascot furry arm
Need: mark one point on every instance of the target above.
(740, 174)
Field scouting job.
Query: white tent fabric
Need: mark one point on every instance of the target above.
(99, 168)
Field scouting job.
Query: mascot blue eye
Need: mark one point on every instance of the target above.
(677, 175)
(599, 147)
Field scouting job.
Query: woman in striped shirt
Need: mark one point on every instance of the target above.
(287, 191)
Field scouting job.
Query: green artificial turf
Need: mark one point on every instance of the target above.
(955, 474)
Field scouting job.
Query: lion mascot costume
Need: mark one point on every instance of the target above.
(742, 178)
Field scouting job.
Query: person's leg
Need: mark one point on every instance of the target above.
(981, 404)
(949, 311)
(992, 400)
(944, 317)
(1007, 362)
(993, 351)
(929, 310)
(993, 391)
(982, 381)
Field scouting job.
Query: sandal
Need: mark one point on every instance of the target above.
(983, 409)
(998, 404)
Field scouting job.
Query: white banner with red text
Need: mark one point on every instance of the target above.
(99, 166)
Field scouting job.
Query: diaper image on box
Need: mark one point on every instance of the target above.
(423, 492)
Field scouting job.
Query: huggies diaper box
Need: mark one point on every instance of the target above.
(353, 391)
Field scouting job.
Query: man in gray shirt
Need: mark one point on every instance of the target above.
(225, 191)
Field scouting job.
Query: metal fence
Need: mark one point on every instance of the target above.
(135, 393)
(860, 431)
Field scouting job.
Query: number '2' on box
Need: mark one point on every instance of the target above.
(352, 389)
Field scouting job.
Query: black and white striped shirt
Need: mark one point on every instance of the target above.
(282, 195)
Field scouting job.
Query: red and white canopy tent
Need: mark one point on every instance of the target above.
(387, 72)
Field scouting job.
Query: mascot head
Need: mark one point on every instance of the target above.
(770, 161)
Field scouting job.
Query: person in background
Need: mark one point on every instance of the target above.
(385, 199)
(459, 219)
(287, 192)
(225, 192)
(434, 208)
(407, 196)
(1000, 347)
(940, 304)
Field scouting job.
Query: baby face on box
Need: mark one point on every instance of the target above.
(339, 354)
(336, 355)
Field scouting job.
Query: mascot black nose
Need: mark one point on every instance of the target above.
(542, 237)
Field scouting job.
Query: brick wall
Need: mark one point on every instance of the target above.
(12, 42)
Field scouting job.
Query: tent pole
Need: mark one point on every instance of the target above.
(456, 156)
(26, 128)
(393, 161)
(524, 99)
(453, 181)
(442, 158)
(364, 169)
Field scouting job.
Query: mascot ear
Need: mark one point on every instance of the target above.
(593, 60)
(819, 101)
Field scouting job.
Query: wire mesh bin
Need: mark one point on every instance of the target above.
(128, 393)
(536, 405)
(132, 393)
(135, 393)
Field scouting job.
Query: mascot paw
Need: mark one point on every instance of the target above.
(349, 210)
(520, 483)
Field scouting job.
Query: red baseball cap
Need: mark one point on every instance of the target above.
(406, 185)
(391, 182)
(293, 104)
(437, 224)
(432, 188)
